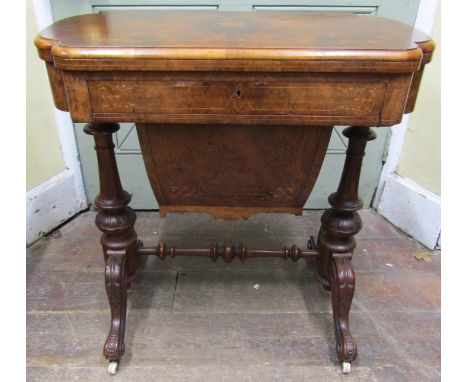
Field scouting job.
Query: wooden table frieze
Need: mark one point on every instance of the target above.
(234, 113)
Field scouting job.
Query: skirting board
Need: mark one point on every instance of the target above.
(50, 204)
(412, 208)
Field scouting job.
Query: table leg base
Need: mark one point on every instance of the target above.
(116, 288)
(342, 280)
(341, 285)
(342, 291)
(333, 249)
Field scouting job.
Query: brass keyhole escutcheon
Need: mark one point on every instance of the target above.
(238, 94)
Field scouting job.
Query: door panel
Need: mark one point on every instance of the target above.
(356, 10)
(128, 152)
(99, 9)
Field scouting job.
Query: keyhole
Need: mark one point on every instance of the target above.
(238, 94)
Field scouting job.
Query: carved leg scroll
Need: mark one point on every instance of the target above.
(336, 242)
(119, 240)
(342, 286)
(116, 288)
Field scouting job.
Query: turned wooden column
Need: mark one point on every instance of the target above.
(119, 240)
(336, 240)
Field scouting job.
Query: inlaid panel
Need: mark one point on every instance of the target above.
(276, 97)
(216, 168)
(160, 96)
(314, 98)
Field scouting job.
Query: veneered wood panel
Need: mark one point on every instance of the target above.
(413, 93)
(77, 94)
(177, 96)
(257, 97)
(57, 87)
(238, 98)
(314, 98)
(395, 101)
(140, 35)
(197, 166)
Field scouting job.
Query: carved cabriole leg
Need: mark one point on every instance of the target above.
(342, 281)
(116, 288)
(336, 240)
(119, 240)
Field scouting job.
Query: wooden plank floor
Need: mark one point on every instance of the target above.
(193, 320)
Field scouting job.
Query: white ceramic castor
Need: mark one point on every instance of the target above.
(113, 366)
(346, 367)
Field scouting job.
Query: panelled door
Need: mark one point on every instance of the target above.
(128, 152)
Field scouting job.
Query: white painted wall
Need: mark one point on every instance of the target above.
(409, 205)
(61, 196)
(44, 159)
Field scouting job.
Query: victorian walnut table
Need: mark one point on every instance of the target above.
(234, 113)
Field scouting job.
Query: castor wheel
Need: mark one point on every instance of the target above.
(346, 367)
(113, 366)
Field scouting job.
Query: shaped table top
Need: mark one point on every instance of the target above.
(204, 35)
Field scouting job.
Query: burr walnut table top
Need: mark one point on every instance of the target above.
(344, 39)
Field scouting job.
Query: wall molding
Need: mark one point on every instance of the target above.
(395, 148)
(412, 208)
(70, 154)
(50, 204)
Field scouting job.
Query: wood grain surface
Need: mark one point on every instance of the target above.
(198, 35)
(207, 166)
